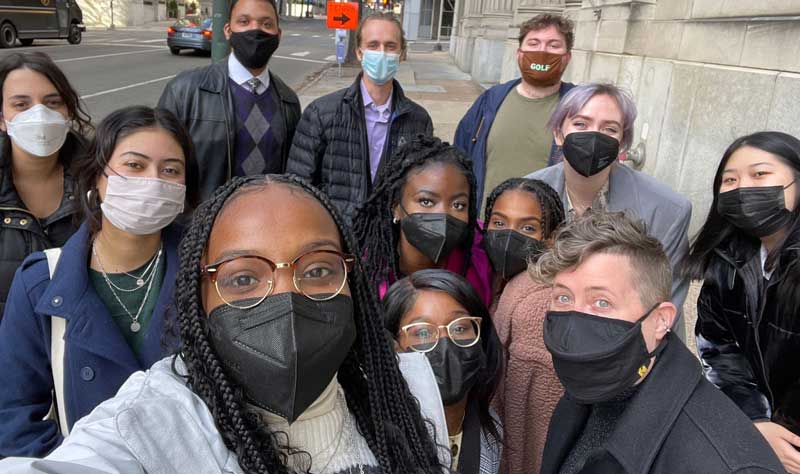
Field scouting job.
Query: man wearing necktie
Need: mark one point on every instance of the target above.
(241, 116)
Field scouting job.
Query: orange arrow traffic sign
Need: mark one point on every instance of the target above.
(342, 15)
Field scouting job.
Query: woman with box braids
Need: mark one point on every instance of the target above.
(386, 413)
(422, 214)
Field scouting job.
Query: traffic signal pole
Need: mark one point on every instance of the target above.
(351, 59)
(219, 45)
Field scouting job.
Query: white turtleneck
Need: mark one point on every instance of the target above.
(327, 431)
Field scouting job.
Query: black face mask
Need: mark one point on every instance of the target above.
(253, 48)
(285, 351)
(435, 235)
(589, 153)
(757, 211)
(456, 368)
(509, 251)
(596, 358)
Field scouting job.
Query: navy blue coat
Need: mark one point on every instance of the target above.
(473, 130)
(97, 357)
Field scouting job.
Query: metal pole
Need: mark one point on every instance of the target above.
(219, 45)
(441, 15)
(351, 59)
(112, 27)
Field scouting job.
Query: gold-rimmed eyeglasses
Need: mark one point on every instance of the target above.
(319, 275)
(423, 337)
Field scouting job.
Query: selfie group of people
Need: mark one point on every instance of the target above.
(223, 284)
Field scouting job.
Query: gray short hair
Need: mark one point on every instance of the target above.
(577, 98)
(612, 233)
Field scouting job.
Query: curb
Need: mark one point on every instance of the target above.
(313, 79)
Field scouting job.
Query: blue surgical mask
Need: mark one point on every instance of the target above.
(380, 67)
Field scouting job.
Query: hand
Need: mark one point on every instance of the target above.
(784, 443)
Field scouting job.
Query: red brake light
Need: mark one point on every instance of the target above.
(170, 31)
(207, 34)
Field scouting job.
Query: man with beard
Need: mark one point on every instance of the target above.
(505, 130)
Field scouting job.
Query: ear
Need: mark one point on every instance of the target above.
(396, 216)
(566, 60)
(3, 123)
(280, 33)
(519, 55)
(101, 184)
(359, 54)
(558, 137)
(664, 315)
(227, 30)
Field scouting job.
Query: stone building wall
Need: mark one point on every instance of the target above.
(97, 13)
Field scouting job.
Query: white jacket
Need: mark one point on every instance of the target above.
(157, 425)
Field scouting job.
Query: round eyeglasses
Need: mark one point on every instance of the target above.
(320, 275)
(423, 337)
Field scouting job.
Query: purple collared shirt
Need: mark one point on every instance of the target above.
(377, 119)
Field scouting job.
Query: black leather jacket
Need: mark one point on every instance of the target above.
(21, 233)
(203, 101)
(748, 332)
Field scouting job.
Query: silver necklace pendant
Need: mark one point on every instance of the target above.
(139, 282)
(135, 326)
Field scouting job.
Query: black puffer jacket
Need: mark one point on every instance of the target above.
(203, 101)
(21, 233)
(331, 150)
(748, 332)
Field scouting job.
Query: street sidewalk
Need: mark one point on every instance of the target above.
(153, 26)
(428, 78)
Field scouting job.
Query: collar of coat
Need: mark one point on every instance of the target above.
(735, 255)
(621, 189)
(400, 104)
(70, 295)
(215, 80)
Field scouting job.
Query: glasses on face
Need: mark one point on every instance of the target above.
(319, 275)
(423, 337)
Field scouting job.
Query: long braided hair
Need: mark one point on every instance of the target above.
(549, 201)
(374, 227)
(387, 415)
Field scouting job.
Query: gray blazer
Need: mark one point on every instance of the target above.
(665, 212)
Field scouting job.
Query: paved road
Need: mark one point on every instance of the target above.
(113, 69)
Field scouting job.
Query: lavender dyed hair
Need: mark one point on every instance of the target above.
(577, 98)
